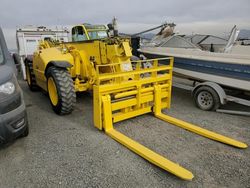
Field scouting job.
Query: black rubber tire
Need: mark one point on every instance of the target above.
(32, 85)
(206, 98)
(65, 90)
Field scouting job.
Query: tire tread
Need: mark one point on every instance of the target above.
(33, 86)
(65, 88)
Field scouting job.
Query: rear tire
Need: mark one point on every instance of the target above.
(30, 76)
(61, 90)
(206, 98)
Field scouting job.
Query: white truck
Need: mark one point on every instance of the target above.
(28, 37)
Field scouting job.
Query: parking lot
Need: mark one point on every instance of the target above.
(68, 151)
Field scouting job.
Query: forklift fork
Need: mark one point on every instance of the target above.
(118, 100)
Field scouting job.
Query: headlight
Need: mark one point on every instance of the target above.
(7, 88)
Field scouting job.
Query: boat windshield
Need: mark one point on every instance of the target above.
(205, 39)
(177, 42)
(1, 55)
(207, 42)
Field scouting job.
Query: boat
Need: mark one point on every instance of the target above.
(204, 57)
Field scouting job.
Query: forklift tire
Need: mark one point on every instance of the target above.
(61, 90)
(30, 76)
(206, 98)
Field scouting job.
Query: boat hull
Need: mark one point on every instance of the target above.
(231, 75)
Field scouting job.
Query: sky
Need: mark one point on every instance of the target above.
(190, 16)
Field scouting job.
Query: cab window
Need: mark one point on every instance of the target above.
(97, 34)
(78, 34)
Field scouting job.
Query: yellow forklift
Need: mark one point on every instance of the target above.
(96, 61)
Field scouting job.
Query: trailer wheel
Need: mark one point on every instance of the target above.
(61, 90)
(206, 98)
(30, 76)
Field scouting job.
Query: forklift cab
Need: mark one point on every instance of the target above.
(89, 32)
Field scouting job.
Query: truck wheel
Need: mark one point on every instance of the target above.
(30, 76)
(61, 90)
(206, 98)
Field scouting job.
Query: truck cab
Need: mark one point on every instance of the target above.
(86, 32)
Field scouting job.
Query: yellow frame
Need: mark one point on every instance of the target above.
(117, 99)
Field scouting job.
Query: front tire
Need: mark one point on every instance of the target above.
(61, 90)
